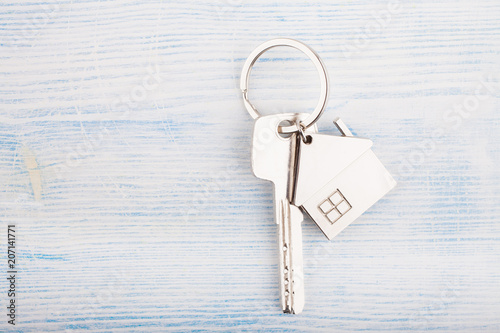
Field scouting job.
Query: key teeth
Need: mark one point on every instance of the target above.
(294, 302)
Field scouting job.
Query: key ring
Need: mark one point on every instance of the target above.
(252, 58)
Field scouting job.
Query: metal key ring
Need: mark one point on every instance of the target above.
(252, 58)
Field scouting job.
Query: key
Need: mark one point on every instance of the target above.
(274, 159)
(338, 178)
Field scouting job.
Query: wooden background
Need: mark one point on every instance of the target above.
(125, 164)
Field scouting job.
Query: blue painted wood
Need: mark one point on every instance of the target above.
(124, 163)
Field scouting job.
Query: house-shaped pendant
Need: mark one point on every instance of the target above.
(338, 178)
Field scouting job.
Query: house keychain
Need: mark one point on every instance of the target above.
(334, 179)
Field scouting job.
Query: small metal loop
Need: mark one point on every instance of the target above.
(252, 58)
(301, 129)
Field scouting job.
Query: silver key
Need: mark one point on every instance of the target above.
(274, 159)
(338, 179)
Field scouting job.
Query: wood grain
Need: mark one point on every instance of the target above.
(125, 164)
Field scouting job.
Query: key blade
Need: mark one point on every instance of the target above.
(291, 261)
